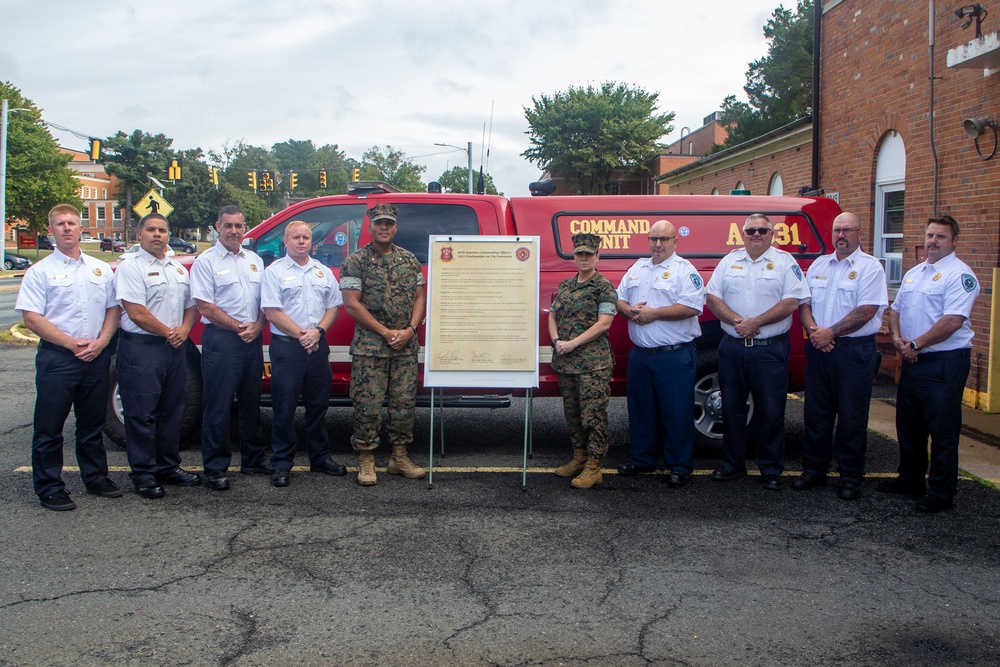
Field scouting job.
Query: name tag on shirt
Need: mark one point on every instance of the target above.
(223, 272)
(288, 279)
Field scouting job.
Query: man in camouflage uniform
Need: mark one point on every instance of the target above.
(383, 290)
(581, 314)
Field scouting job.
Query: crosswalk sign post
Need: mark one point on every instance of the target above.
(152, 202)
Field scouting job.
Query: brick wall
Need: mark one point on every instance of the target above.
(793, 164)
(875, 68)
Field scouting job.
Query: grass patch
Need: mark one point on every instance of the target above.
(7, 338)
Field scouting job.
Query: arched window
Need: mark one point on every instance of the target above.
(715, 191)
(776, 188)
(890, 196)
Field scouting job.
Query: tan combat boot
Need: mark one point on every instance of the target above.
(590, 477)
(366, 468)
(400, 464)
(574, 467)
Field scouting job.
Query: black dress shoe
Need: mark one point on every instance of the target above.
(217, 481)
(808, 480)
(149, 490)
(932, 504)
(771, 482)
(180, 477)
(901, 486)
(330, 467)
(629, 470)
(262, 468)
(676, 480)
(106, 489)
(279, 477)
(849, 490)
(727, 475)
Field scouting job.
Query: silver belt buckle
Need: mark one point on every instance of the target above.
(748, 342)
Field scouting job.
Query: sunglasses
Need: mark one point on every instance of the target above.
(751, 231)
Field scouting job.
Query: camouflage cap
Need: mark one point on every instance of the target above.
(382, 212)
(586, 243)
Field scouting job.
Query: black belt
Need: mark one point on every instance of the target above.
(52, 347)
(283, 339)
(855, 340)
(754, 342)
(663, 348)
(145, 339)
(964, 352)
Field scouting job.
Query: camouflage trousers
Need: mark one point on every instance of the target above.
(585, 404)
(372, 379)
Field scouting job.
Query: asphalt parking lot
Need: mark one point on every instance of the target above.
(477, 571)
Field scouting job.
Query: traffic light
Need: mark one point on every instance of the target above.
(252, 179)
(95, 149)
(213, 176)
(293, 180)
(322, 178)
(174, 169)
(266, 180)
(355, 174)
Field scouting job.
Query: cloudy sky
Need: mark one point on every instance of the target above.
(358, 74)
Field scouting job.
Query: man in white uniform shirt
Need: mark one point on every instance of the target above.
(68, 300)
(662, 297)
(848, 295)
(158, 313)
(225, 283)
(300, 297)
(929, 323)
(754, 291)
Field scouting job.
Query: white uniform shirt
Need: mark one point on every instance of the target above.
(674, 281)
(73, 295)
(304, 293)
(751, 287)
(931, 291)
(162, 286)
(231, 282)
(837, 287)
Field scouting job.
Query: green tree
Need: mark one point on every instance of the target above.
(779, 85)
(195, 200)
(586, 134)
(38, 177)
(392, 167)
(456, 179)
(135, 157)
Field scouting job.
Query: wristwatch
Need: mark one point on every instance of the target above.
(913, 346)
(554, 341)
(321, 330)
(414, 327)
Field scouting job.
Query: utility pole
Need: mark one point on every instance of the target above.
(468, 151)
(3, 176)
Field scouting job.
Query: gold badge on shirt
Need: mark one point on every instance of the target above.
(937, 276)
(319, 274)
(253, 267)
(97, 272)
(770, 266)
(666, 275)
(852, 275)
(180, 270)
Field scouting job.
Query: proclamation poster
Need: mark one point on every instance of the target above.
(482, 312)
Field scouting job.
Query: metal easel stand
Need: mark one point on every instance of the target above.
(430, 456)
(528, 441)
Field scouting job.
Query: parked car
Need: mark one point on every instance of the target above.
(46, 243)
(180, 245)
(112, 245)
(13, 261)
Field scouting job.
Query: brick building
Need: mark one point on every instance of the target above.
(101, 215)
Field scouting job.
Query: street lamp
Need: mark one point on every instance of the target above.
(468, 151)
(3, 175)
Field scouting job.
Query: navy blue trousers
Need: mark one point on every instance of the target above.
(660, 397)
(760, 371)
(62, 382)
(230, 367)
(151, 379)
(838, 388)
(295, 373)
(929, 404)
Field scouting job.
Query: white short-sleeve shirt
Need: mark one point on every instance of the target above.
(73, 295)
(838, 286)
(161, 285)
(931, 291)
(304, 293)
(231, 282)
(674, 281)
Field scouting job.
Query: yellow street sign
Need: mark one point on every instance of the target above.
(152, 202)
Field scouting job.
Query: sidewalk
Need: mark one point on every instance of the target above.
(979, 452)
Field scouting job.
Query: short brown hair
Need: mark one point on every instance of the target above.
(947, 221)
(64, 208)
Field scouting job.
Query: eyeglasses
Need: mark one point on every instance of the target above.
(751, 231)
(845, 232)
(660, 239)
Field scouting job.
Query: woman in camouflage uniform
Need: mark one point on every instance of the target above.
(581, 314)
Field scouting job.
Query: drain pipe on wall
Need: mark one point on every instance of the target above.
(930, 49)
(818, 13)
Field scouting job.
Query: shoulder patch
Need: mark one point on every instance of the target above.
(696, 281)
(797, 271)
(969, 282)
